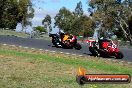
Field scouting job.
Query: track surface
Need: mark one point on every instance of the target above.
(46, 44)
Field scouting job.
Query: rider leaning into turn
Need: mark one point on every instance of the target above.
(65, 37)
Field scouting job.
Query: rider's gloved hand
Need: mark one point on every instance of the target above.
(59, 39)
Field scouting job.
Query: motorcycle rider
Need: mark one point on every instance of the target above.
(103, 43)
(63, 36)
(60, 35)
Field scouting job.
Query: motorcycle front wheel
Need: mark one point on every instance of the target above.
(94, 52)
(56, 43)
(119, 55)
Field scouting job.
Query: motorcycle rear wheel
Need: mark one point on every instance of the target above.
(78, 46)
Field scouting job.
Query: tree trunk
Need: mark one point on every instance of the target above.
(127, 35)
(127, 30)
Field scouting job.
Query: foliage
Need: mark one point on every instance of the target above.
(83, 26)
(40, 29)
(130, 24)
(47, 23)
(13, 11)
(78, 10)
(74, 22)
(63, 19)
(88, 26)
(114, 14)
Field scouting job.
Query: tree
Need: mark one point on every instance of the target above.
(26, 12)
(114, 14)
(81, 24)
(88, 25)
(63, 19)
(78, 10)
(69, 21)
(47, 23)
(13, 11)
(74, 22)
(130, 25)
(40, 29)
(77, 21)
(7, 16)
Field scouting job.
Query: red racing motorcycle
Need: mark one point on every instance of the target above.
(104, 48)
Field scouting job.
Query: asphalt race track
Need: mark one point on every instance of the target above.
(46, 44)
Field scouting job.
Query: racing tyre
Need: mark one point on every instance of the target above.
(78, 46)
(119, 55)
(94, 51)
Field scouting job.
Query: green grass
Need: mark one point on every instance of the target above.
(26, 68)
(13, 33)
(22, 34)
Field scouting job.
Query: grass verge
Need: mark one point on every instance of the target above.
(22, 34)
(40, 69)
(13, 33)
